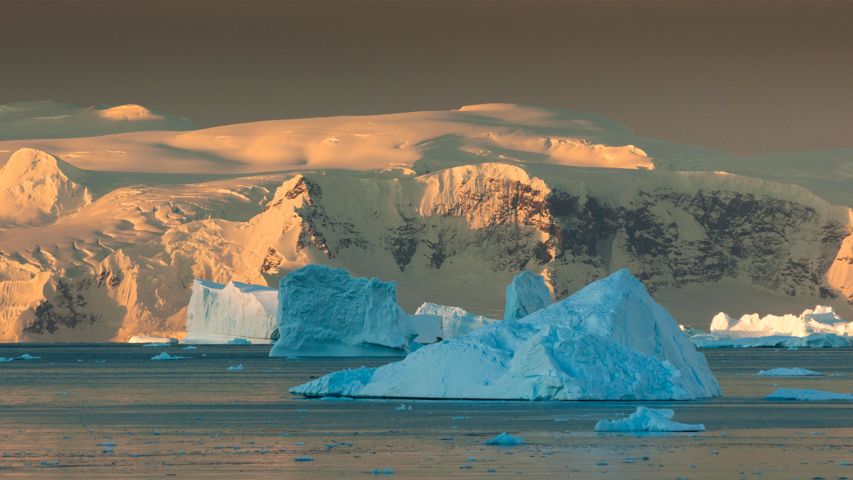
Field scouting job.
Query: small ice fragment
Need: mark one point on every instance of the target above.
(303, 459)
(235, 368)
(806, 395)
(190, 347)
(166, 356)
(402, 407)
(460, 417)
(789, 372)
(26, 357)
(647, 420)
(504, 440)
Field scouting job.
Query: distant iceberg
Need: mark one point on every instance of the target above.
(455, 321)
(323, 311)
(609, 341)
(807, 395)
(527, 293)
(236, 312)
(819, 327)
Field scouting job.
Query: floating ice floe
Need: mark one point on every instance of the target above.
(166, 356)
(806, 395)
(609, 341)
(648, 420)
(505, 440)
(323, 311)
(789, 372)
(24, 357)
(526, 294)
(152, 339)
(235, 368)
(819, 327)
(235, 312)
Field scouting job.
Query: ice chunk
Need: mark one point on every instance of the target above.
(526, 294)
(235, 368)
(789, 372)
(323, 311)
(166, 356)
(454, 320)
(426, 327)
(647, 420)
(23, 357)
(609, 341)
(807, 395)
(225, 313)
(152, 339)
(505, 440)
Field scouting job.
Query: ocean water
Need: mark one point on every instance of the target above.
(108, 411)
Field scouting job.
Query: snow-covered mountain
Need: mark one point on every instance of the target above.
(451, 205)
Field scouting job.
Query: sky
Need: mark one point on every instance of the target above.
(748, 77)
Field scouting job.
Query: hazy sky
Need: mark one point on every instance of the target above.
(747, 76)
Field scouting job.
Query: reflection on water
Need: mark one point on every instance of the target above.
(108, 410)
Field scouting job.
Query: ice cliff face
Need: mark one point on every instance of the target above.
(323, 311)
(221, 313)
(609, 341)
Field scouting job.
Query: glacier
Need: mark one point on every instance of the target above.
(819, 327)
(608, 341)
(323, 311)
(236, 311)
(527, 293)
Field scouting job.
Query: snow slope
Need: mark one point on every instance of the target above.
(36, 187)
(445, 200)
(609, 341)
(49, 119)
(220, 313)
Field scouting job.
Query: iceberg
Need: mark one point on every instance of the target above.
(815, 340)
(821, 319)
(505, 440)
(608, 341)
(526, 294)
(323, 311)
(806, 395)
(789, 372)
(648, 420)
(241, 312)
(165, 356)
(151, 339)
(455, 321)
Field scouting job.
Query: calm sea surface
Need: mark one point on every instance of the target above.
(108, 411)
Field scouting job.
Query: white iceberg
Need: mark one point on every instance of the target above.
(648, 420)
(323, 311)
(821, 319)
(505, 440)
(806, 395)
(152, 339)
(224, 313)
(789, 372)
(455, 321)
(526, 294)
(609, 341)
(166, 356)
